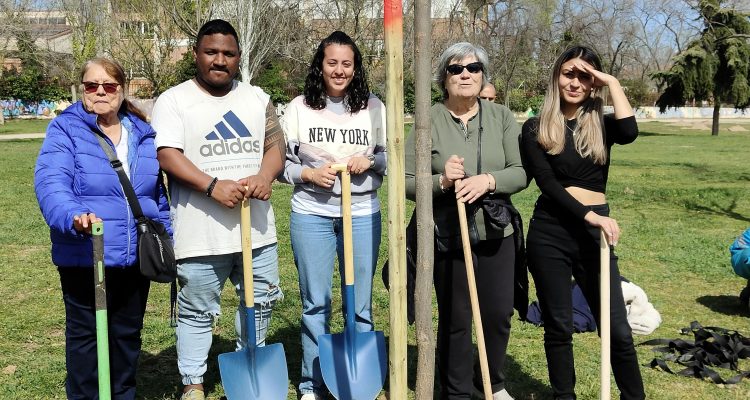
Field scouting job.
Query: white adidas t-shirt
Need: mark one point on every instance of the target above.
(223, 137)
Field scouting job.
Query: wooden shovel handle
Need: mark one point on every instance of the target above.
(247, 252)
(604, 322)
(476, 315)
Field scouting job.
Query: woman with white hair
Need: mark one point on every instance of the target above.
(475, 157)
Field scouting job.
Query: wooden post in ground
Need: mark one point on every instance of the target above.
(394, 102)
(425, 243)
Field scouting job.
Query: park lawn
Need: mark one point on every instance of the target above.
(24, 126)
(680, 196)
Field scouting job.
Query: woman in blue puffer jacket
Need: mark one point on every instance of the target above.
(740, 251)
(76, 186)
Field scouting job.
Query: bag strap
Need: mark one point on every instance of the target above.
(127, 187)
(479, 144)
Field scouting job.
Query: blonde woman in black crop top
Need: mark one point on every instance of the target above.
(567, 151)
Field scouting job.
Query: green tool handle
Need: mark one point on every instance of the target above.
(100, 299)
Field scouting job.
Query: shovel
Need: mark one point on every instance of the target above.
(353, 363)
(604, 329)
(476, 316)
(253, 372)
(100, 301)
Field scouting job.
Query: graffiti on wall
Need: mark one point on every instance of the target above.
(15, 108)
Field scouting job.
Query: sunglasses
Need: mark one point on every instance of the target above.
(92, 87)
(455, 69)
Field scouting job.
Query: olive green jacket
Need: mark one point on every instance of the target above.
(500, 157)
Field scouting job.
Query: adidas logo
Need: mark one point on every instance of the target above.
(236, 140)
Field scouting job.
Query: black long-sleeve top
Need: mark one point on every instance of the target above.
(554, 173)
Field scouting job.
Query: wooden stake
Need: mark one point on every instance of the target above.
(394, 42)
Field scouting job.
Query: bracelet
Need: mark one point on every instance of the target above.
(440, 181)
(210, 188)
(489, 182)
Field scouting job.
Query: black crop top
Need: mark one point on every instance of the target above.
(554, 173)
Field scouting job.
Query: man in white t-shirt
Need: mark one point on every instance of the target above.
(220, 141)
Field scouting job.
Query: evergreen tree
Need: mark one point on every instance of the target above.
(715, 66)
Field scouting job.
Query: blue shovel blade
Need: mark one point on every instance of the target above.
(255, 373)
(353, 371)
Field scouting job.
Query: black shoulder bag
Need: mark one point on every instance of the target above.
(155, 251)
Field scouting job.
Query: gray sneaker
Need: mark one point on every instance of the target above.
(501, 395)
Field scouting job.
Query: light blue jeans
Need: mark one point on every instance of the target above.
(316, 241)
(201, 280)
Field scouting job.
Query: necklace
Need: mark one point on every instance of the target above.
(572, 131)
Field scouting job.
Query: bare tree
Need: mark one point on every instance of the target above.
(189, 15)
(362, 20)
(148, 43)
(261, 26)
(663, 28)
(425, 252)
(92, 28)
(10, 23)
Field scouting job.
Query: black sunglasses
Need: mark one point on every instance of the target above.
(92, 87)
(455, 69)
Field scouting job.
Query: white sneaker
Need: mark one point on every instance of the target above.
(311, 396)
(501, 395)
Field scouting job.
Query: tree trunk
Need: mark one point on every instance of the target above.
(393, 25)
(715, 122)
(425, 254)
(246, 18)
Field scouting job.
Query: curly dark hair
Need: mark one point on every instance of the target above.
(357, 93)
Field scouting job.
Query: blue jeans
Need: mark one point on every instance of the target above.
(201, 280)
(316, 241)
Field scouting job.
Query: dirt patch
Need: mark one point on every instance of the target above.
(737, 128)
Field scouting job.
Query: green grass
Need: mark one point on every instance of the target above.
(681, 197)
(24, 126)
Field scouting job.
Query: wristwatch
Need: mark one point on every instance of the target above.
(371, 157)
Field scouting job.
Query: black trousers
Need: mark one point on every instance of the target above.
(127, 292)
(493, 269)
(559, 247)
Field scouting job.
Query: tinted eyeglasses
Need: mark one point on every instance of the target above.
(455, 69)
(92, 87)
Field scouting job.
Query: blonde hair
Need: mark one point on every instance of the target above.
(115, 70)
(588, 138)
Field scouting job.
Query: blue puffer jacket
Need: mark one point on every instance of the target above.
(73, 176)
(740, 251)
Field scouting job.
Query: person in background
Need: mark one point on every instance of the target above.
(740, 251)
(76, 186)
(488, 92)
(337, 120)
(220, 142)
(567, 151)
(458, 123)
